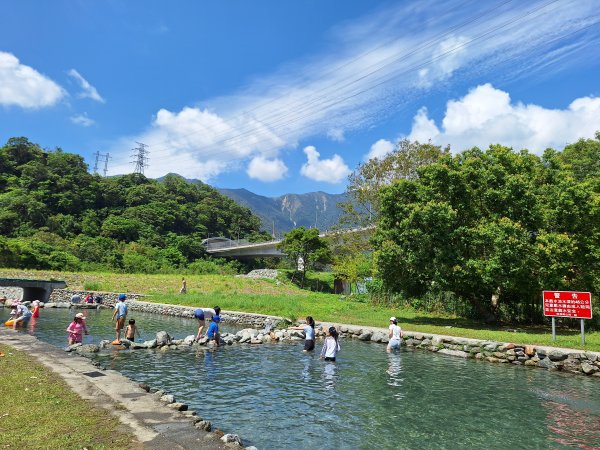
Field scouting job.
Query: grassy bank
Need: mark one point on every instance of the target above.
(268, 297)
(39, 411)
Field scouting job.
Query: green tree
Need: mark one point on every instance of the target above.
(304, 249)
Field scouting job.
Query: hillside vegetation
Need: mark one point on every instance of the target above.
(54, 214)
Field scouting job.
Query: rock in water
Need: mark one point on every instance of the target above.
(162, 338)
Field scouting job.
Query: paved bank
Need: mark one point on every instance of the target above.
(155, 425)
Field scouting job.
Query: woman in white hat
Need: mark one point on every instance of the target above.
(76, 329)
(395, 335)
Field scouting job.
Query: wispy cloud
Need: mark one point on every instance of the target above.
(374, 67)
(25, 87)
(87, 90)
(82, 120)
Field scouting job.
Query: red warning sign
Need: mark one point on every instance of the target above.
(577, 305)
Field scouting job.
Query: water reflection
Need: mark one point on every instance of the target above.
(395, 378)
(306, 370)
(329, 375)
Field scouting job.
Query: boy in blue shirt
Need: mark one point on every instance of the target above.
(120, 313)
(213, 330)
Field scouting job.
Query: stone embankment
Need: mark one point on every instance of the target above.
(566, 360)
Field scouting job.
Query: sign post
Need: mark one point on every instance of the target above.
(576, 305)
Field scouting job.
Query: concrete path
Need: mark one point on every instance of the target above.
(156, 426)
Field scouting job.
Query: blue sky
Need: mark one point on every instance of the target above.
(289, 97)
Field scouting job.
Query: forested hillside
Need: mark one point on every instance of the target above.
(54, 214)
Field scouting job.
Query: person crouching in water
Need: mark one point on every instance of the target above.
(76, 329)
(201, 314)
(331, 345)
(213, 330)
(395, 335)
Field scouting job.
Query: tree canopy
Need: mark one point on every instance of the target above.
(304, 248)
(494, 227)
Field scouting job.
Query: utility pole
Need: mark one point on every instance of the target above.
(140, 158)
(101, 157)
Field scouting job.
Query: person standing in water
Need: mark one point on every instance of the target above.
(119, 314)
(77, 329)
(395, 335)
(309, 334)
(331, 346)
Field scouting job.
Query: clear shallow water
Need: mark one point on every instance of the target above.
(275, 397)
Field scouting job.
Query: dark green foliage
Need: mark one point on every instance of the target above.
(304, 249)
(56, 215)
(494, 228)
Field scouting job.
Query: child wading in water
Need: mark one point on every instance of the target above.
(331, 345)
(120, 313)
(76, 329)
(131, 331)
(309, 332)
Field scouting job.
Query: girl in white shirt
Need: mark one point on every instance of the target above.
(395, 335)
(331, 345)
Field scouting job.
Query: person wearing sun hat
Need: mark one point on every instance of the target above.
(76, 329)
(395, 335)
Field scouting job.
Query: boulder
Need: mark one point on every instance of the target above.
(365, 336)
(557, 355)
(459, 353)
(88, 348)
(546, 363)
(588, 369)
(177, 406)
(232, 439)
(167, 398)
(162, 338)
(189, 340)
(204, 425)
(591, 356)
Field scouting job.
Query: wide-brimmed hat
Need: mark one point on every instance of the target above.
(80, 316)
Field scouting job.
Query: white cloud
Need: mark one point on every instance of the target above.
(82, 119)
(379, 149)
(87, 90)
(331, 170)
(487, 116)
(263, 169)
(197, 143)
(23, 86)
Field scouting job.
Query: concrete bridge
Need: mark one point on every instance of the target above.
(221, 246)
(242, 248)
(33, 289)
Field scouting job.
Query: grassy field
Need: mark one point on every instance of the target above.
(284, 299)
(39, 411)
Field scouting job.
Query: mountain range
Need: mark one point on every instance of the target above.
(286, 212)
(283, 213)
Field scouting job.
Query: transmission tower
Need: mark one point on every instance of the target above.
(140, 158)
(101, 157)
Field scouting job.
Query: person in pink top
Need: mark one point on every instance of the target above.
(76, 329)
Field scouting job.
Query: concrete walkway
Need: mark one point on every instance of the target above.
(155, 426)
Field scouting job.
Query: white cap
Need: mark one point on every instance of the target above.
(392, 319)
(79, 316)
